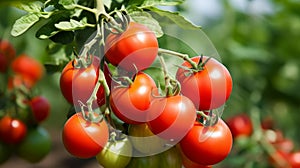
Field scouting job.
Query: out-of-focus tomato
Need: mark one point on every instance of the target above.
(12, 131)
(7, 54)
(240, 125)
(40, 108)
(36, 145)
(28, 67)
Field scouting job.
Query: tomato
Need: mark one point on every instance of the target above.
(82, 138)
(187, 163)
(12, 131)
(144, 162)
(240, 125)
(5, 152)
(285, 145)
(40, 108)
(28, 67)
(77, 84)
(210, 150)
(133, 50)
(167, 159)
(130, 104)
(294, 159)
(144, 141)
(175, 116)
(36, 145)
(7, 54)
(17, 81)
(116, 154)
(170, 158)
(209, 88)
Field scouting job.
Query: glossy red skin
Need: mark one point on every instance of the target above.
(131, 104)
(28, 67)
(240, 125)
(7, 54)
(137, 45)
(12, 131)
(210, 149)
(187, 163)
(82, 138)
(40, 108)
(171, 117)
(77, 84)
(209, 88)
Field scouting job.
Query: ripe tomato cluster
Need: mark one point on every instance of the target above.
(22, 111)
(125, 119)
(280, 150)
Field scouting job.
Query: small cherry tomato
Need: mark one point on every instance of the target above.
(40, 108)
(83, 138)
(12, 131)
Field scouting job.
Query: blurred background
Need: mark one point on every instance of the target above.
(257, 40)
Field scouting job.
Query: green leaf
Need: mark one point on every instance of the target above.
(32, 7)
(24, 23)
(68, 4)
(167, 17)
(146, 19)
(71, 25)
(149, 3)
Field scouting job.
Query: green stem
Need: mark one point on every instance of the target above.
(260, 138)
(180, 55)
(169, 87)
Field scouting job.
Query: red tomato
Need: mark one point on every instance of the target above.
(133, 50)
(209, 88)
(82, 138)
(187, 163)
(172, 117)
(28, 67)
(211, 149)
(294, 159)
(12, 131)
(7, 54)
(40, 108)
(130, 104)
(77, 84)
(240, 125)
(285, 145)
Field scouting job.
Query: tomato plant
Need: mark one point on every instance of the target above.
(28, 67)
(77, 84)
(40, 108)
(83, 138)
(7, 54)
(133, 50)
(12, 131)
(213, 149)
(240, 125)
(116, 153)
(144, 141)
(36, 145)
(131, 104)
(172, 117)
(213, 83)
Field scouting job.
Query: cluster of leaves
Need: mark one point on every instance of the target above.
(69, 23)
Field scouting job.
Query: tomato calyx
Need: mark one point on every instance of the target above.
(207, 118)
(118, 22)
